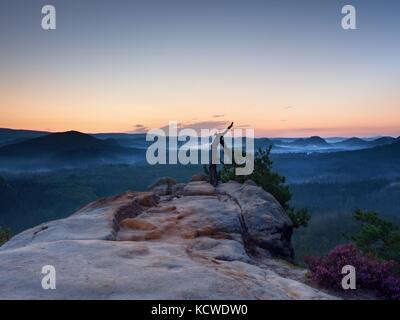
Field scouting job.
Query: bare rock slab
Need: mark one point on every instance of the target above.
(191, 242)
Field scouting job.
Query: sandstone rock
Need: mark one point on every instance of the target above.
(162, 186)
(250, 182)
(206, 244)
(199, 188)
(264, 220)
(177, 189)
(198, 177)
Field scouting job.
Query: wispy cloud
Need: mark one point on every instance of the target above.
(242, 126)
(139, 128)
(218, 115)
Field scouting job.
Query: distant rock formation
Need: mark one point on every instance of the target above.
(178, 241)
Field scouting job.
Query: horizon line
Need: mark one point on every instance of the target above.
(256, 136)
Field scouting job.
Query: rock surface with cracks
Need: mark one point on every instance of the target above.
(177, 241)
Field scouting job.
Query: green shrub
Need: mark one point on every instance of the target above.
(377, 236)
(5, 235)
(299, 217)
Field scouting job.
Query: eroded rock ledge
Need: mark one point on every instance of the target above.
(177, 241)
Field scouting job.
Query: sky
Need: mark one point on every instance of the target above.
(282, 67)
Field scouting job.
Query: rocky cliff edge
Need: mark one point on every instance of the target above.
(177, 241)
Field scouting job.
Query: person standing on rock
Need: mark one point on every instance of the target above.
(212, 167)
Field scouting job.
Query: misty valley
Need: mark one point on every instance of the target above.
(47, 176)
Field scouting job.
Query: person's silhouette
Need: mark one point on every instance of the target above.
(212, 168)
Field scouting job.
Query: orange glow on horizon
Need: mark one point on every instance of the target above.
(271, 114)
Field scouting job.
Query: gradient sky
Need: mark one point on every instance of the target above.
(285, 68)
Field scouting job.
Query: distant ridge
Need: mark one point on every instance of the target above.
(280, 145)
(377, 162)
(312, 141)
(10, 136)
(56, 143)
(353, 142)
(383, 141)
(65, 148)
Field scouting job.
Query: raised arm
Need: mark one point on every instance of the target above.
(226, 130)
